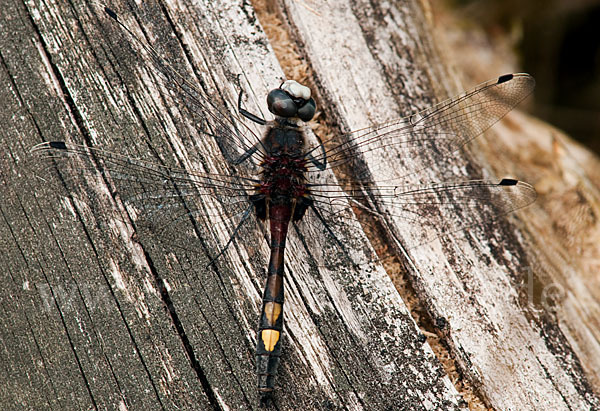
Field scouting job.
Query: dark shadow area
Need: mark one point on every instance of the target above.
(559, 44)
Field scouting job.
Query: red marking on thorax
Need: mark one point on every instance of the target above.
(284, 176)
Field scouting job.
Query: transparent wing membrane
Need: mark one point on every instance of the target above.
(167, 199)
(439, 209)
(443, 128)
(223, 125)
(163, 198)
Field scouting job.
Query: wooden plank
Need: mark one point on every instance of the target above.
(374, 61)
(564, 220)
(97, 315)
(89, 326)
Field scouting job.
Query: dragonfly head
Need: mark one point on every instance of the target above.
(291, 99)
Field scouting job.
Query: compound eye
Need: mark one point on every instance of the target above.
(281, 104)
(307, 111)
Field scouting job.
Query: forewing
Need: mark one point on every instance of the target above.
(228, 129)
(441, 129)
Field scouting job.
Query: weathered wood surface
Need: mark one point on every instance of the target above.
(496, 292)
(564, 220)
(95, 316)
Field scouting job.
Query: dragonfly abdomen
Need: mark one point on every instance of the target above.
(268, 346)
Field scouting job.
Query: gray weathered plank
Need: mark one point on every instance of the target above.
(374, 61)
(564, 221)
(96, 315)
(89, 328)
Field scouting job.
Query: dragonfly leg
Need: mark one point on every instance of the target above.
(237, 229)
(324, 222)
(252, 117)
(247, 154)
(319, 164)
(247, 114)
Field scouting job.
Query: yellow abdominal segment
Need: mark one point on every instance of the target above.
(272, 311)
(270, 338)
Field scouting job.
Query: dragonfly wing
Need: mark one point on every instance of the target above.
(438, 209)
(233, 136)
(442, 129)
(164, 200)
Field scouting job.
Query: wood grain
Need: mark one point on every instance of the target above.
(374, 58)
(97, 315)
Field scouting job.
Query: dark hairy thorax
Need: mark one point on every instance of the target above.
(283, 182)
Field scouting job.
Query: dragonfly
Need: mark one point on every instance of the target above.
(285, 184)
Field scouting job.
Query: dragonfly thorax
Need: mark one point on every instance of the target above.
(283, 176)
(282, 183)
(284, 138)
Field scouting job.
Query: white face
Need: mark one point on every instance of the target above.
(296, 89)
